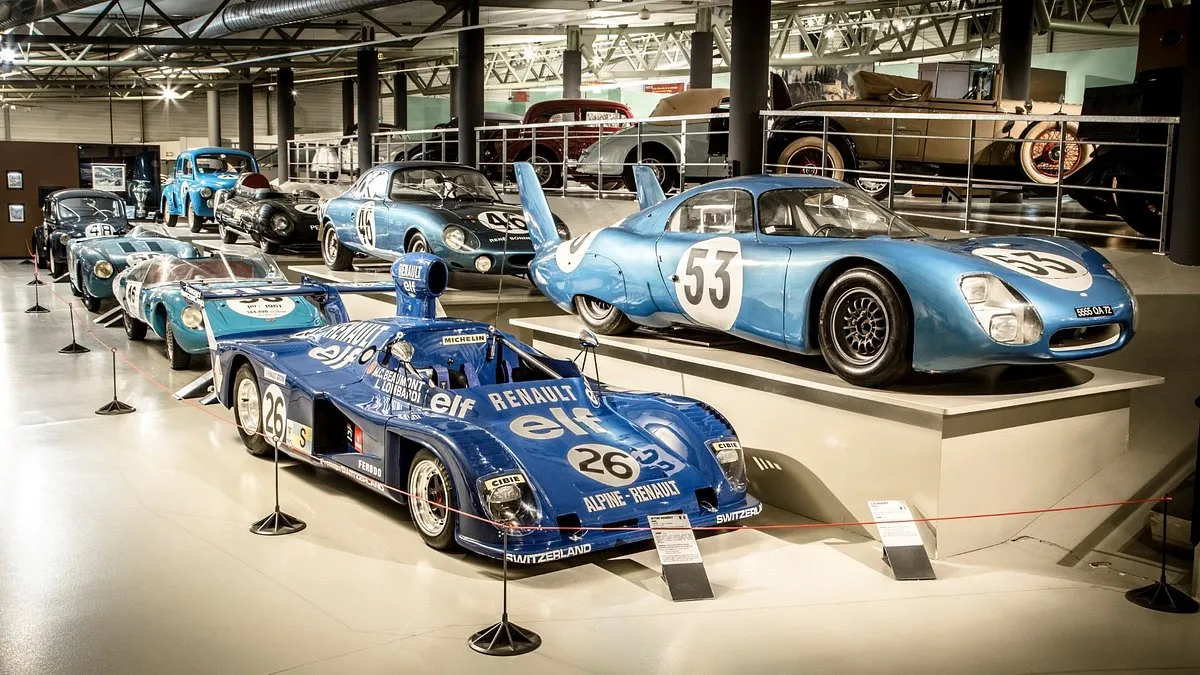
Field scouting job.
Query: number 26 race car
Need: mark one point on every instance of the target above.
(436, 413)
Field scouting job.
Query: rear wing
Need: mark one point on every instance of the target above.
(327, 297)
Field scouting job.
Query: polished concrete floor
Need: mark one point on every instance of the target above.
(124, 549)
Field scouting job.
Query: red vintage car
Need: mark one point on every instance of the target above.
(549, 148)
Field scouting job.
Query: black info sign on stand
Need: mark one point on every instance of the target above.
(682, 568)
(903, 549)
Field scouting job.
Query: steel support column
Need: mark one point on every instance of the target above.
(1016, 46)
(1184, 231)
(214, 118)
(400, 100)
(245, 99)
(702, 51)
(572, 64)
(470, 82)
(368, 106)
(748, 82)
(285, 119)
(347, 106)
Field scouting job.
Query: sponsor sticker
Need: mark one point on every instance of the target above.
(739, 514)
(268, 308)
(466, 339)
(299, 436)
(549, 556)
(272, 375)
(501, 481)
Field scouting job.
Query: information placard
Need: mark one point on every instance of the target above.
(903, 548)
(682, 567)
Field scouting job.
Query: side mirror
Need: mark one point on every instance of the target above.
(588, 339)
(402, 350)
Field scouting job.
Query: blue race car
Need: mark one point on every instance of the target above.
(94, 261)
(466, 417)
(151, 295)
(198, 174)
(68, 215)
(449, 210)
(812, 265)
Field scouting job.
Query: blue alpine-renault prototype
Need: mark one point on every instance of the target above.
(812, 265)
(94, 261)
(151, 295)
(464, 416)
(449, 210)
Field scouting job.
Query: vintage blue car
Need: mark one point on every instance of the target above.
(812, 265)
(94, 261)
(151, 296)
(74, 214)
(198, 174)
(466, 418)
(449, 210)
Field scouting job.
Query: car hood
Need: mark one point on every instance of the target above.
(487, 221)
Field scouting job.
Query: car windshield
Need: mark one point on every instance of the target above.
(441, 183)
(223, 163)
(85, 208)
(220, 267)
(148, 231)
(829, 212)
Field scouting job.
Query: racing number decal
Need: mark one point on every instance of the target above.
(98, 230)
(274, 413)
(708, 282)
(502, 222)
(604, 464)
(364, 224)
(1057, 270)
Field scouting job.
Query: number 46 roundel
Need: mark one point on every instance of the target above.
(708, 282)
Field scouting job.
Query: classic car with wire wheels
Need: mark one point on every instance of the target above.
(151, 295)
(68, 215)
(94, 261)
(442, 146)
(268, 216)
(814, 266)
(478, 433)
(195, 179)
(449, 210)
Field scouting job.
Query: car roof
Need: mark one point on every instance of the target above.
(82, 192)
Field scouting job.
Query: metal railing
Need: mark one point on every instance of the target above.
(963, 155)
(438, 144)
(327, 159)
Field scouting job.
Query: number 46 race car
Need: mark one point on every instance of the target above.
(438, 413)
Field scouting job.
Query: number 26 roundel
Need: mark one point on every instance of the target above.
(708, 282)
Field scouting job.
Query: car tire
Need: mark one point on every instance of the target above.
(168, 219)
(1098, 203)
(660, 160)
(195, 222)
(228, 236)
(56, 270)
(1142, 212)
(602, 317)
(75, 289)
(804, 155)
(864, 329)
(134, 329)
(416, 243)
(91, 303)
(1038, 154)
(41, 259)
(429, 482)
(180, 360)
(547, 167)
(247, 411)
(875, 187)
(337, 257)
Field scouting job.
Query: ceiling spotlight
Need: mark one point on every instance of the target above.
(169, 94)
(644, 14)
(7, 54)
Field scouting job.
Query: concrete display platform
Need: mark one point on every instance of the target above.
(994, 440)
(470, 296)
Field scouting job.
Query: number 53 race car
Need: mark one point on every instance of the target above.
(475, 431)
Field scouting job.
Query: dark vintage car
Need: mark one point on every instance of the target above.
(259, 210)
(444, 146)
(72, 214)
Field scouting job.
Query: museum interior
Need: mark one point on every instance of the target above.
(599, 336)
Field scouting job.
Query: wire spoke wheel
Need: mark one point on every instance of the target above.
(861, 326)
(1048, 150)
(428, 486)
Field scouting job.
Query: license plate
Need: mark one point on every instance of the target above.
(1096, 310)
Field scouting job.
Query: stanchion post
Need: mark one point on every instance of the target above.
(1161, 596)
(37, 303)
(505, 638)
(37, 281)
(115, 406)
(277, 522)
(74, 347)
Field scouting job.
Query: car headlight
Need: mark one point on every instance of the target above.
(103, 269)
(483, 264)
(731, 460)
(459, 239)
(192, 318)
(510, 503)
(63, 238)
(206, 192)
(281, 224)
(1000, 311)
(1133, 303)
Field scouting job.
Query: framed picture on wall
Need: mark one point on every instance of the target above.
(16, 180)
(109, 177)
(16, 213)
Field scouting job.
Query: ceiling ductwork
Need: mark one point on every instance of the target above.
(259, 15)
(17, 12)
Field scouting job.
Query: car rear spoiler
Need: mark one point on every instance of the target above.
(538, 217)
(649, 190)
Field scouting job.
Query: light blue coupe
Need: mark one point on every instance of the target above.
(812, 265)
(94, 261)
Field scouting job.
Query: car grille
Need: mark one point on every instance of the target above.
(1085, 337)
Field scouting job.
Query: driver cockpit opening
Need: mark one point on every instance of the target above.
(461, 360)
